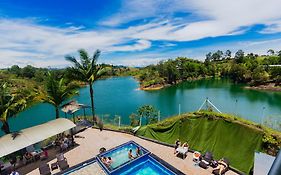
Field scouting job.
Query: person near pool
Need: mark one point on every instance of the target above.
(108, 161)
(130, 155)
(138, 152)
(177, 144)
(103, 159)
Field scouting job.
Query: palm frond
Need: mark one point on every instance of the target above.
(74, 61)
(84, 57)
(95, 58)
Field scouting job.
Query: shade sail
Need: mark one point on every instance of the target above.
(33, 135)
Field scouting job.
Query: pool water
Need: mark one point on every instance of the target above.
(146, 166)
(120, 155)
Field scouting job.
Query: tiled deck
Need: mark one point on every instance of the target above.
(94, 168)
(94, 139)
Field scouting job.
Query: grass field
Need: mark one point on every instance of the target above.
(234, 140)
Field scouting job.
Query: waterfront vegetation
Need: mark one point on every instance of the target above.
(12, 101)
(252, 69)
(224, 135)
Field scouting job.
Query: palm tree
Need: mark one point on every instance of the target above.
(11, 104)
(57, 91)
(87, 71)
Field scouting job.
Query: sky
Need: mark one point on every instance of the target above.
(134, 32)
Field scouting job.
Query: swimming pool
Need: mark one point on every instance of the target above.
(119, 155)
(146, 165)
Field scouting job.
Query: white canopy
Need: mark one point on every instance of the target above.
(33, 135)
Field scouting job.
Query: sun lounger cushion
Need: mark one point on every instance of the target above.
(44, 169)
(216, 172)
(63, 165)
(204, 164)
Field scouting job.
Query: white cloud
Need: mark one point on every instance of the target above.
(272, 27)
(143, 59)
(138, 46)
(215, 17)
(23, 40)
(139, 10)
(258, 47)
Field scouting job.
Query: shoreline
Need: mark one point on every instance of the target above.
(268, 87)
(161, 86)
(153, 88)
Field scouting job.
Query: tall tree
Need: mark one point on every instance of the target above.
(279, 53)
(220, 54)
(148, 112)
(270, 52)
(28, 71)
(11, 104)
(208, 57)
(57, 92)
(88, 70)
(15, 69)
(228, 54)
(239, 56)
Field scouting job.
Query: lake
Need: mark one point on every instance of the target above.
(119, 96)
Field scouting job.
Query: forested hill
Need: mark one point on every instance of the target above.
(251, 68)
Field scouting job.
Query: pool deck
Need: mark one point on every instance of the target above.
(90, 169)
(92, 140)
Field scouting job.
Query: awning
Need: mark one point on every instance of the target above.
(33, 135)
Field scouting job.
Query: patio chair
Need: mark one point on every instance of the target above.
(54, 166)
(63, 165)
(206, 160)
(226, 168)
(44, 169)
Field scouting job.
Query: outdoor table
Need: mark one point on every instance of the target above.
(183, 151)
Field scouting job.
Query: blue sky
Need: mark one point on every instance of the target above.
(134, 32)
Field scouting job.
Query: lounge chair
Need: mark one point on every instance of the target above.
(225, 169)
(206, 160)
(63, 165)
(44, 169)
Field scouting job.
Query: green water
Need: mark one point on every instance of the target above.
(119, 96)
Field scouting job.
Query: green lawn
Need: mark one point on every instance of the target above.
(223, 138)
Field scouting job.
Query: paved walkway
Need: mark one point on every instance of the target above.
(94, 139)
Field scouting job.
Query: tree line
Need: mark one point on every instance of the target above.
(241, 68)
